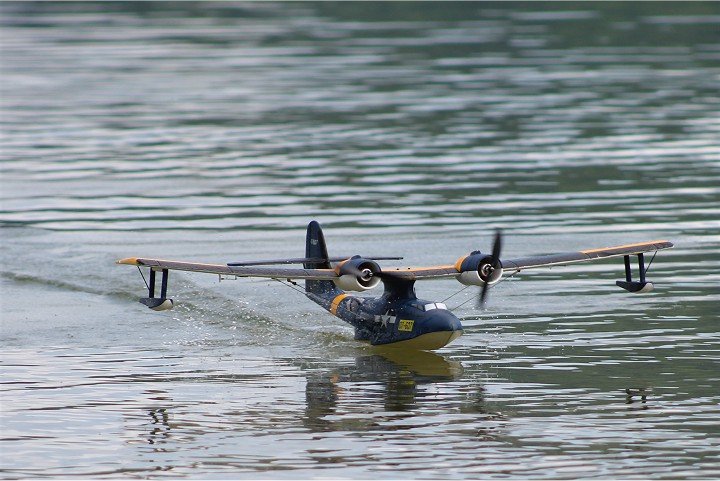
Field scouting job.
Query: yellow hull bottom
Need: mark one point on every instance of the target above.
(427, 342)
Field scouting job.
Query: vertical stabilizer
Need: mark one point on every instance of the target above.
(315, 248)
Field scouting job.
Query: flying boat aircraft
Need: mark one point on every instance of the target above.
(397, 317)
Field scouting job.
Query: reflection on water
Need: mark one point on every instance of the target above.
(214, 132)
(390, 379)
(246, 416)
(637, 395)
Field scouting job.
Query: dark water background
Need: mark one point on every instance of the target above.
(215, 131)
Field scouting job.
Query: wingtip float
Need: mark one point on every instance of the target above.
(398, 317)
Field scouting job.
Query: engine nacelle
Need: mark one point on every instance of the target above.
(357, 274)
(477, 269)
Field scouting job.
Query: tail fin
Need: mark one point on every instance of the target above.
(315, 248)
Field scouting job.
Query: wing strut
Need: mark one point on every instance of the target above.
(157, 303)
(638, 287)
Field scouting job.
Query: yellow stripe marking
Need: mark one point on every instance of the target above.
(459, 262)
(643, 244)
(132, 261)
(336, 302)
(138, 261)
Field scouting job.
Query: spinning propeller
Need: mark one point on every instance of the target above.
(490, 268)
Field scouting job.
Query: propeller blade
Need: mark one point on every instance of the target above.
(483, 295)
(497, 248)
(497, 245)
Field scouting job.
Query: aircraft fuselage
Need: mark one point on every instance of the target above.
(397, 317)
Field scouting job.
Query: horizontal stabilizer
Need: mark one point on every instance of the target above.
(308, 260)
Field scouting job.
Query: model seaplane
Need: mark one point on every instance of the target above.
(397, 317)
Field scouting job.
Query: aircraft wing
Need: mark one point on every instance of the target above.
(514, 265)
(511, 266)
(240, 271)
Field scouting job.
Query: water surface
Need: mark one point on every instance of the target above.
(216, 132)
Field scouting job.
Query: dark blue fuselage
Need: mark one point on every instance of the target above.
(397, 317)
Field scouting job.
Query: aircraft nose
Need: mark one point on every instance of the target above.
(435, 330)
(442, 320)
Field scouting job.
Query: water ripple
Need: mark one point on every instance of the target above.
(218, 132)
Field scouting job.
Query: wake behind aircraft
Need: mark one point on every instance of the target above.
(397, 317)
